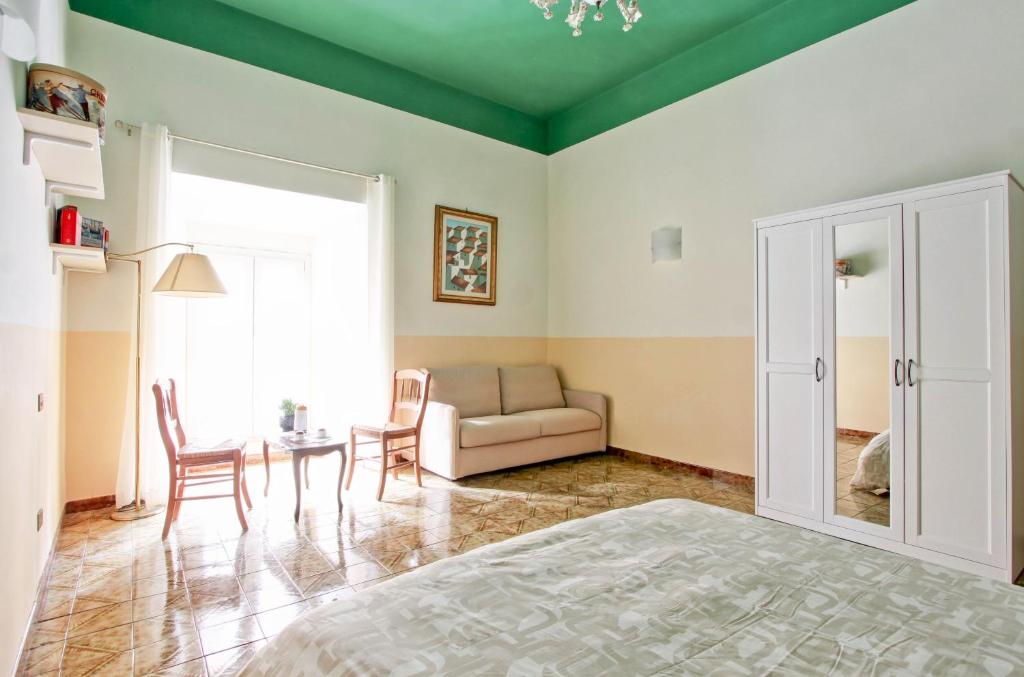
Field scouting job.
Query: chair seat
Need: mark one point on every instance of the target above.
(391, 428)
(224, 450)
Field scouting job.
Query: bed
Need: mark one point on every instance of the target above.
(668, 587)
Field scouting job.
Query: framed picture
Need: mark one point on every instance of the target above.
(465, 256)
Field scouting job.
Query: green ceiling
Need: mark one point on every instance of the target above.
(495, 67)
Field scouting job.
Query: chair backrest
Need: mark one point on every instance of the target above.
(171, 431)
(410, 389)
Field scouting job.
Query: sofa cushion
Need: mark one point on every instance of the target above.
(530, 388)
(473, 391)
(562, 421)
(483, 431)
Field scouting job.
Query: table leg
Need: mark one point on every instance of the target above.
(297, 472)
(341, 475)
(266, 465)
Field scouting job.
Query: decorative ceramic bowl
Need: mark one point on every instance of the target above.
(64, 92)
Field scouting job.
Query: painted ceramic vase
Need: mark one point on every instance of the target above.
(60, 91)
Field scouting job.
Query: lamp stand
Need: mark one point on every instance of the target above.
(187, 275)
(137, 509)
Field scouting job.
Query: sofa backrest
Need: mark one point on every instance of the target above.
(530, 388)
(474, 391)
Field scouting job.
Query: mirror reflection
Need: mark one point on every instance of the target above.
(862, 371)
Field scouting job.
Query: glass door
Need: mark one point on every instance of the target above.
(865, 374)
(251, 349)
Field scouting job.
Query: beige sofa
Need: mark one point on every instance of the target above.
(487, 418)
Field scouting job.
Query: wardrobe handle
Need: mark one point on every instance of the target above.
(910, 373)
(897, 372)
(819, 369)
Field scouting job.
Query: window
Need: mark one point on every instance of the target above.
(295, 321)
(247, 352)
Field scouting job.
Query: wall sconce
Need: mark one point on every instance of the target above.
(16, 37)
(667, 244)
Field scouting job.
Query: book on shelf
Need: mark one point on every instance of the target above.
(91, 233)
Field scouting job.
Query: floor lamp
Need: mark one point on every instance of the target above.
(189, 275)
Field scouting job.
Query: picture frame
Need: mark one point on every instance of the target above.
(465, 256)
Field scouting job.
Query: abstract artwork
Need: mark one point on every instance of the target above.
(465, 256)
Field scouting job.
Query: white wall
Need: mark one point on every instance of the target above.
(31, 464)
(862, 306)
(927, 93)
(210, 97)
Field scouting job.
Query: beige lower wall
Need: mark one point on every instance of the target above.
(685, 399)
(31, 471)
(95, 386)
(862, 383)
(453, 351)
(97, 376)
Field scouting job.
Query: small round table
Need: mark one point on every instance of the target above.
(300, 451)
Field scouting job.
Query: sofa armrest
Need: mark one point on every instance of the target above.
(595, 402)
(581, 399)
(439, 445)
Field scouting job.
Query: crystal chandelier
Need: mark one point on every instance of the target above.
(578, 12)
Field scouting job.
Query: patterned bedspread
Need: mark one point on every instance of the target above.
(670, 587)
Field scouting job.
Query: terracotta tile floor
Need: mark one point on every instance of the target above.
(121, 601)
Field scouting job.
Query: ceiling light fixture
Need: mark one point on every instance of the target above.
(630, 10)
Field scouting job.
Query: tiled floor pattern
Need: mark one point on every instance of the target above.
(120, 601)
(862, 505)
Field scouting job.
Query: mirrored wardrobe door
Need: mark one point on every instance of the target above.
(863, 310)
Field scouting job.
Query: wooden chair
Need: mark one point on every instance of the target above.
(401, 433)
(182, 456)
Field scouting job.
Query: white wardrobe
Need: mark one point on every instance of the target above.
(890, 382)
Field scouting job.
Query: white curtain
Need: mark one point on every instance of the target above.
(161, 325)
(380, 208)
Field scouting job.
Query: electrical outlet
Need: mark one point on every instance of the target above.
(39, 519)
(39, 402)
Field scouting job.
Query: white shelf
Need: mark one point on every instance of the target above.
(67, 150)
(81, 259)
(845, 279)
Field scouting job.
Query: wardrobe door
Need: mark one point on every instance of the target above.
(864, 378)
(956, 367)
(790, 368)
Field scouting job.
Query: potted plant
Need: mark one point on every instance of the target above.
(287, 419)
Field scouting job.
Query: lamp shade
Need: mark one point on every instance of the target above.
(190, 275)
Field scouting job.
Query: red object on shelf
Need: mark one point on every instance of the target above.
(69, 221)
